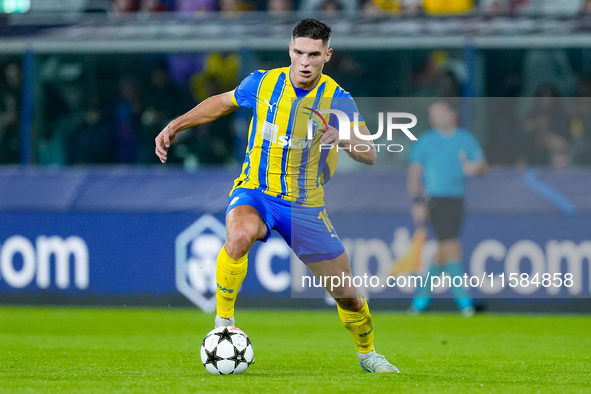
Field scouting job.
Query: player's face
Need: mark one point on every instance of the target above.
(442, 117)
(307, 60)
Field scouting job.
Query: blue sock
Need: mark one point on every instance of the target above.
(460, 294)
(423, 294)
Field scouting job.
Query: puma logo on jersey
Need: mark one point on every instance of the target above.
(271, 106)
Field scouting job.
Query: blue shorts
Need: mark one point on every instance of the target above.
(307, 230)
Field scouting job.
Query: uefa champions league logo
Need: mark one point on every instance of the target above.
(196, 254)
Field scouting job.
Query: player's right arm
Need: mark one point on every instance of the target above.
(473, 160)
(415, 181)
(419, 210)
(207, 111)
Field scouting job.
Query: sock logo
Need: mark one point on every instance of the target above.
(232, 290)
(366, 334)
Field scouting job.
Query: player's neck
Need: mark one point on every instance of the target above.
(448, 130)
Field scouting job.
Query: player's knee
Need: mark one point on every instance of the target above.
(343, 292)
(450, 250)
(240, 241)
(351, 304)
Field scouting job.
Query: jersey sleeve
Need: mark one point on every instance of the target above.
(416, 155)
(327, 165)
(473, 150)
(245, 94)
(343, 101)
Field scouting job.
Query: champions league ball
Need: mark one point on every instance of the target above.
(226, 351)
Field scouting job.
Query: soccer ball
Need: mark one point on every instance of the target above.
(226, 351)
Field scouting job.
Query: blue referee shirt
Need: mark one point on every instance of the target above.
(441, 156)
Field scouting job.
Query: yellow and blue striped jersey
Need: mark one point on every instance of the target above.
(280, 160)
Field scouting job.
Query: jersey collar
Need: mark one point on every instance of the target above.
(447, 135)
(288, 81)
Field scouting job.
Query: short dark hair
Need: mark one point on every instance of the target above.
(452, 103)
(312, 28)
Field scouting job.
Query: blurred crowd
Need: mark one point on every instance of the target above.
(77, 122)
(107, 110)
(80, 119)
(351, 7)
(544, 130)
(10, 111)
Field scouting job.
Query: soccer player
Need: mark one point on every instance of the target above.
(440, 162)
(280, 187)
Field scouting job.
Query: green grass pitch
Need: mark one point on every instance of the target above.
(157, 350)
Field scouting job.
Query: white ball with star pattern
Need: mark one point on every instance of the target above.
(226, 351)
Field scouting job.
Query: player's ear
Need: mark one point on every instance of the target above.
(328, 55)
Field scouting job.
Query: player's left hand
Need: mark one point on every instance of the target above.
(330, 136)
(471, 168)
(419, 213)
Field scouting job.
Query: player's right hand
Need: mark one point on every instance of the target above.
(163, 141)
(419, 213)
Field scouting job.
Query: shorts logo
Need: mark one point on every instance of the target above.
(234, 200)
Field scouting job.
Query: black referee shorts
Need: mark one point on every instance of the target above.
(447, 214)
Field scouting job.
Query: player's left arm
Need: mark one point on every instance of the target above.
(358, 149)
(207, 111)
(474, 162)
(475, 167)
